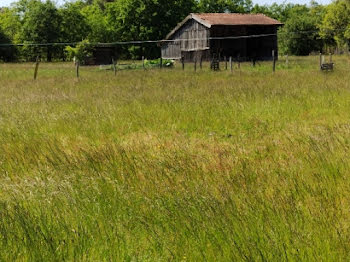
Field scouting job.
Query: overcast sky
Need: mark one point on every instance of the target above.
(262, 2)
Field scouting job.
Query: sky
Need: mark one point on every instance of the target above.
(260, 2)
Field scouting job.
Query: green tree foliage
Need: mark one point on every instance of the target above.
(96, 21)
(74, 24)
(80, 52)
(220, 6)
(9, 28)
(335, 27)
(10, 23)
(307, 27)
(145, 20)
(300, 34)
(7, 53)
(40, 24)
(262, 9)
(280, 12)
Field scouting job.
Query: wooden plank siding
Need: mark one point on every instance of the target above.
(192, 36)
(258, 48)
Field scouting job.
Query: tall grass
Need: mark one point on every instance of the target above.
(165, 165)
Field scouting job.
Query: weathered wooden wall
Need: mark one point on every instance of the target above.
(102, 55)
(192, 42)
(192, 36)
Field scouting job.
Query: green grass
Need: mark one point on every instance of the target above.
(163, 165)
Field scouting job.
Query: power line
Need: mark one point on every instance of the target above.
(139, 42)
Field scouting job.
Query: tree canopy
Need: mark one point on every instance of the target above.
(307, 28)
(220, 6)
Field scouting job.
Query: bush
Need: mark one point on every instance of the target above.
(82, 51)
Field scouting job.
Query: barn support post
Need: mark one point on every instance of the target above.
(215, 63)
(77, 65)
(36, 67)
(231, 65)
(273, 61)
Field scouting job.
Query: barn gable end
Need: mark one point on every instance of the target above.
(190, 36)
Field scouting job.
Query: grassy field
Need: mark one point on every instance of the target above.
(166, 165)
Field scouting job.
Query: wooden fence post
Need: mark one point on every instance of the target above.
(77, 67)
(239, 61)
(143, 62)
(195, 65)
(273, 61)
(231, 66)
(225, 62)
(183, 63)
(114, 66)
(320, 61)
(36, 67)
(287, 61)
(201, 63)
(330, 58)
(161, 63)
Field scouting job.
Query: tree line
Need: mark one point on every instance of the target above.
(307, 28)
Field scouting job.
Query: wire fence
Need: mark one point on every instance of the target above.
(285, 64)
(137, 42)
(216, 62)
(136, 49)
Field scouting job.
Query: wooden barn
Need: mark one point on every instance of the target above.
(103, 55)
(247, 36)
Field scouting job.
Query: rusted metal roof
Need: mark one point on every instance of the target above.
(212, 19)
(235, 19)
